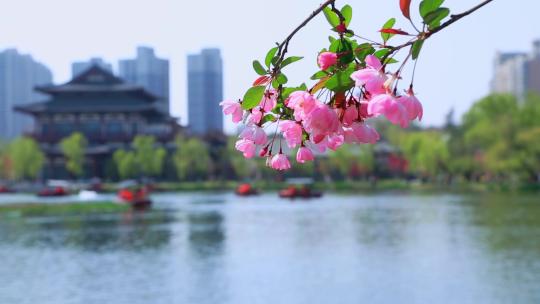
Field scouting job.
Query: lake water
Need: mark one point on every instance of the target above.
(218, 248)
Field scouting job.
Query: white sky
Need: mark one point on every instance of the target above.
(454, 69)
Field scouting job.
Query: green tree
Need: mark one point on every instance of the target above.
(73, 148)
(352, 160)
(126, 164)
(191, 159)
(427, 152)
(149, 159)
(25, 157)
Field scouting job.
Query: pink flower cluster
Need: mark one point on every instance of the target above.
(399, 110)
(312, 125)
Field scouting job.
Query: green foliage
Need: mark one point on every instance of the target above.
(73, 148)
(388, 25)
(416, 48)
(331, 17)
(252, 97)
(149, 159)
(346, 11)
(125, 164)
(270, 56)
(259, 69)
(191, 159)
(352, 160)
(25, 157)
(290, 60)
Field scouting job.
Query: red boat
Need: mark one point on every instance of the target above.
(52, 191)
(246, 190)
(299, 188)
(136, 198)
(5, 189)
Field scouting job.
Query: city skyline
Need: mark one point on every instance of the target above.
(517, 73)
(205, 92)
(170, 29)
(19, 74)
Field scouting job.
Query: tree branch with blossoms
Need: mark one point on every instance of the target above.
(352, 85)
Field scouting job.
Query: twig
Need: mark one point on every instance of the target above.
(426, 35)
(283, 47)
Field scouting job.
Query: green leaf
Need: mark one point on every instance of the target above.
(270, 55)
(257, 66)
(332, 17)
(416, 48)
(290, 60)
(281, 79)
(381, 53)
(346, 11)
(344, 48)
(340, 82)
(389, 24)
(275, 84)
(319, 75)
(268, 118)
(253, 97)
(390, 61)
(363, 50)
(428, 6)
(288, 91)
(434, 18)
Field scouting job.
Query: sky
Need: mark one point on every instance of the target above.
(453, 71)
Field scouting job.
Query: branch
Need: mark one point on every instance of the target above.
(283, 47)
(426, 35)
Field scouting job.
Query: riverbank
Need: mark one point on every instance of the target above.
(362, 186)
(60, 209)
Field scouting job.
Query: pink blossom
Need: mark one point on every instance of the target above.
(327, 59)
(269, 100)
(321, 122)
(256, 115)
(372, 77)
(255, 134)
(234, 109)
(302, 103)
(364, 109)
(303, 155)
(280, 162)
(387, 105)
(362, 133)
(292, 132)
(246, 146)
(412, 105)
(350, 115)
(335, 141)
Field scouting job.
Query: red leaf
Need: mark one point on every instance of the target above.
(393, 31)
(405, 6)
(261, 81)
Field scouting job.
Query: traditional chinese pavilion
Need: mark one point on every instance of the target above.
(108, 111)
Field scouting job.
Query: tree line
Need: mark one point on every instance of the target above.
(496, 140)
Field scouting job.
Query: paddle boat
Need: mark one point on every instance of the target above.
(246, 189)
(135, 195)
(299, 188)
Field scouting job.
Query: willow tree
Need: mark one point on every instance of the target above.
(25, 158)
(73, 147)
(191, 159)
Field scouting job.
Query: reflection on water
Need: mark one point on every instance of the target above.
(217, 248)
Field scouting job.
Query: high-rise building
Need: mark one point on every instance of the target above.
(205, 92)
(79, 67)
(19, 74)
(517, 73)
(148, 71)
